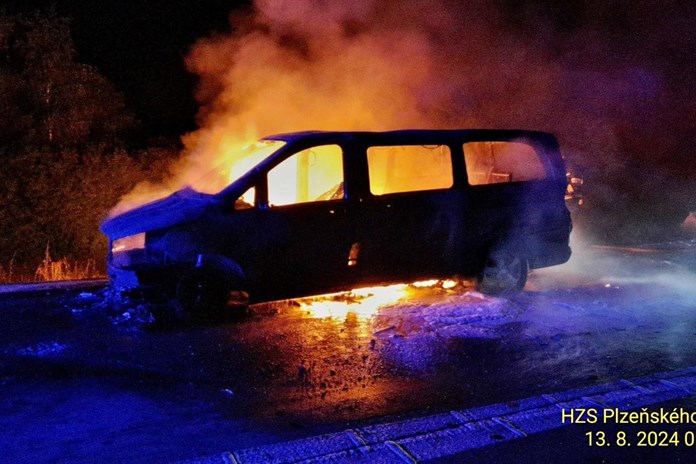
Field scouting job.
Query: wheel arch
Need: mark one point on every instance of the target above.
(497, 254)
(223, 267)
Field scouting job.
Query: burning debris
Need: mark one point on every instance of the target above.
(365, 302)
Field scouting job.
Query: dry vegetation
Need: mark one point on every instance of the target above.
(50, 270)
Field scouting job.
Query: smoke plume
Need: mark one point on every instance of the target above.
(594, 75)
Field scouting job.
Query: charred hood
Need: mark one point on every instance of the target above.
(182, 206)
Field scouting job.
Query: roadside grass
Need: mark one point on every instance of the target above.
(49, 270)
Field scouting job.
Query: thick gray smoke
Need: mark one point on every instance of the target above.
(294, 65)
(601, 76)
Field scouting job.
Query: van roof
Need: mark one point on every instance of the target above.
(413, 135)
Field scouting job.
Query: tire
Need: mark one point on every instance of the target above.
(206, 295)
(504, 272)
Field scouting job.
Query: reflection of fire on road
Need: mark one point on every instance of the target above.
(367, 351)
(365, 302)
(446, 307)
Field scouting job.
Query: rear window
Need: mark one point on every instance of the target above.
(500, 162)
(409, 168)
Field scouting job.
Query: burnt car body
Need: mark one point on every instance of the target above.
(352, 209)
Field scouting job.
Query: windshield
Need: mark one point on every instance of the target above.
(232, 167)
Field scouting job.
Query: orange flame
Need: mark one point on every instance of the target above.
(367, 301)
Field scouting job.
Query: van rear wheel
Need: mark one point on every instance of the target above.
(505, 271)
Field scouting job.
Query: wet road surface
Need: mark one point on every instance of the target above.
(86, 374)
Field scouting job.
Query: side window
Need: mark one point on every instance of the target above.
(314, 174)
(409, 168)
(499, 162)
(246, 201)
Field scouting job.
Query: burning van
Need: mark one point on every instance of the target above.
(317, 212)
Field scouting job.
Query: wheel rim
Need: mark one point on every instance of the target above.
(503, 272)
(198, 293)
(208, 296)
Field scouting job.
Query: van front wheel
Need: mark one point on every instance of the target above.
(505, 271)
(206, 295)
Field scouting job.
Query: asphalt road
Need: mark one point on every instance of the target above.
(88, 373)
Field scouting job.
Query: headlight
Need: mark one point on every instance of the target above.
(132, 242)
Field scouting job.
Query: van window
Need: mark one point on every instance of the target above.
(246, 201)
(314, 174)
(498, 162)
(409, 168)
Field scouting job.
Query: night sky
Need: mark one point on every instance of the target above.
(140, 46)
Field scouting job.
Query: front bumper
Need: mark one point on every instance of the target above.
(125, 268)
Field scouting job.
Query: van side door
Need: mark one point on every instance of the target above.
(413, 214)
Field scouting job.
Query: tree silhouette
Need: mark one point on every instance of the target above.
(52, 100)
(65, 156)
